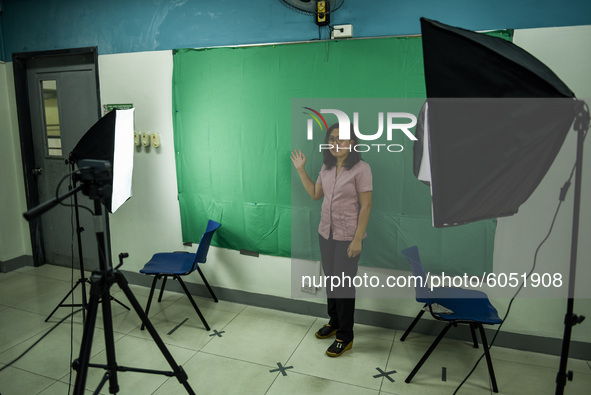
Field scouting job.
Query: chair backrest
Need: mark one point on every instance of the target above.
(205, 241)
(422, 291)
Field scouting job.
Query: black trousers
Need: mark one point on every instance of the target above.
(340, 294)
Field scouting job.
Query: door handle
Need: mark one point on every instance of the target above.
(37, 171)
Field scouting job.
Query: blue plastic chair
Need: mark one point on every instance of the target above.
(177, 264)
(464, 306)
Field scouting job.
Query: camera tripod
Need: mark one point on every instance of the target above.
(96, 176)
(101, 282)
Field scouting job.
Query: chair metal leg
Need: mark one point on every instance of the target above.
(429, 351)
(162, 289)
(180, 280)
(473, 332)
(491, 371)
(412, 325)
(207, 285)
(150, 298)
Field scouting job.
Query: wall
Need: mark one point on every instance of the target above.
(138, 25)
(565, 51)
(135, 66)
(150, 220)
(14, 231)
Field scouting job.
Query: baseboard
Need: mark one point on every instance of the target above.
(16, 263)
(517, 341)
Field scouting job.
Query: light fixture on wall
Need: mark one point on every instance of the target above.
(321, 9)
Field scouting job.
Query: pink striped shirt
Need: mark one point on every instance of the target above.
(340, 207)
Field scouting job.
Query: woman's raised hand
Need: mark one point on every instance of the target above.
(298, 159)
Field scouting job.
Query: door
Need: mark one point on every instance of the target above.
(62, 100)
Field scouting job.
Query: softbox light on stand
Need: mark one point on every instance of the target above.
(493, 123)
(111, 139)
(497, 118)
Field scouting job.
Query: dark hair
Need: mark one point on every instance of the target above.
(352, 158)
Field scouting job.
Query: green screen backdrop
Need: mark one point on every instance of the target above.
(235, 111)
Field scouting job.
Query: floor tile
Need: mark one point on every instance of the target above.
(446, 344)
(356, 366)
(55, 272)
(61, 388)
(51, 356)
(213, 374)
(276, 315)
(257, 340)
(180, 325)
(373, 331)
(241, 352)
(17, 326)
(44, 302)
(17, 381)
(537, 359)
(10, 276)
(516, 378)
(222, 305)
(23, 287)
(296, 383)
(443, 371)
(138, 353)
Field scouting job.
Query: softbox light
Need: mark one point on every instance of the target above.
(111, 139)
(493, 123)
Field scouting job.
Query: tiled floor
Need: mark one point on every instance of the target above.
(249, 350)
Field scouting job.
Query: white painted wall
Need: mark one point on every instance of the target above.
(14, 230)
(566, 52)
(150, 220)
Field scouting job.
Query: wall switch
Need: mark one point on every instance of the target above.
(342, 31)
(136, 138)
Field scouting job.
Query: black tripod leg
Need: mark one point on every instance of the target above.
(83, 282)
(81, 364)
(109, 343)
(178, 370)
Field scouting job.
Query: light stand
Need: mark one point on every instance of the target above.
(82, 281)
(95, 177)
(463, 64)
(570, 319)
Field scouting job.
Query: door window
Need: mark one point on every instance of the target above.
(52, 118)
